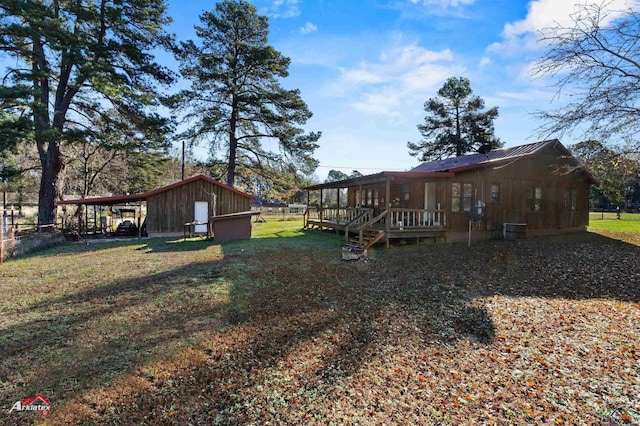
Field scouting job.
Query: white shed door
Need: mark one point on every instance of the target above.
(201, 215)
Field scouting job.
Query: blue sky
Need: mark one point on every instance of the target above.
(365, 68)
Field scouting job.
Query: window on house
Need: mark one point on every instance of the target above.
(405, 191)
(571, 199)
(461, 197)
(534, 198)
(367, 197)
(496, 193)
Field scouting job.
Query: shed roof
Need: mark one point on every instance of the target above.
(117, 199)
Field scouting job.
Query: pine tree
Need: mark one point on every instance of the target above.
(235, 101)
(72, 61)
(456, 123)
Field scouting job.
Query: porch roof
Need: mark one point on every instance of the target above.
(377, 178)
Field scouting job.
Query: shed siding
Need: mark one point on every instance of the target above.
(168, 211)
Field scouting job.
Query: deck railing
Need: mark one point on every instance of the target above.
(417, 218)
(345, 215)
(357, 219)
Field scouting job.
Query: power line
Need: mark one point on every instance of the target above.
(361, 168)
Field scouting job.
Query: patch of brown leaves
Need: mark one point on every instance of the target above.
(524, 332)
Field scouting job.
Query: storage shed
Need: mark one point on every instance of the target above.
(191, 201)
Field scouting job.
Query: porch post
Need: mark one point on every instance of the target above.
(337, 210)
(305, 218)
(140, 220)
(387, 198)
(320, 208)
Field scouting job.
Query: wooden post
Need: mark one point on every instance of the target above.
(338, 210)
(387, 221)
(79, 219)
(320, 208)
(140, 220)
(7, 236)
(305, 217)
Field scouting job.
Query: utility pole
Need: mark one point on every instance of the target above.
(182, 160)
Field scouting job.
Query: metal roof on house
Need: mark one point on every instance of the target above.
(472, 161)
(450, 166)
(117, 199)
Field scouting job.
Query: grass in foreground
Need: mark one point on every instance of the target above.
(278, 329)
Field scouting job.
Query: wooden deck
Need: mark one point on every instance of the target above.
(362, 225)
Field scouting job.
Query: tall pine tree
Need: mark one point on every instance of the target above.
(73, 60)
(235, 101)
(456, 123)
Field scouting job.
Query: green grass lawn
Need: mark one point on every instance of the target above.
(627, 228)
(628, 222)
(278, 329)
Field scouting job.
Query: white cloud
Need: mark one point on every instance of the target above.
(521, 35)
(551, 13)
(443, 3)
(485, 61)
(401, 77)
(361, 76)
(282, 9)
(308, 27)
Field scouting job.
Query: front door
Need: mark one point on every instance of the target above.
(430, 204)
(430, 196)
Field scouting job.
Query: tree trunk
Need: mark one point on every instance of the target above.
(233, 142)
(47, 134)
(51, 166)
(233, 145)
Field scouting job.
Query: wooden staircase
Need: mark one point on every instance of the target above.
(369, 238)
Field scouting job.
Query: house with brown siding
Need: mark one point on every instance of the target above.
(540, 186)
(169, 208)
